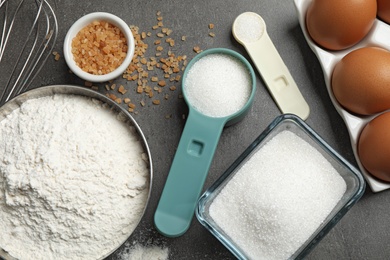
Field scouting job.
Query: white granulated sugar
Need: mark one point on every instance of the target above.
(278, 198)
(139, 252)
(248, 27)
(218, 85)
(73, 184)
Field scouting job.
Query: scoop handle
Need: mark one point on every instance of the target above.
(277, 77)
(187, 175)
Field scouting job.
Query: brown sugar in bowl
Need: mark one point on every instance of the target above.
(99, 47)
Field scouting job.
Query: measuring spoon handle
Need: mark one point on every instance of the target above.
(277, 77)
(187, 175)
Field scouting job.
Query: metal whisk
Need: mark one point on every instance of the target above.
(29, 31)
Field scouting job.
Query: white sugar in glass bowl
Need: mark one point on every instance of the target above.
(83, 22)
(284, 193)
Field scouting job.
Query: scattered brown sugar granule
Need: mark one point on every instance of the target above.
(162, 83)
(170, 41)
(211, 34)
(144, 61)
(112, 96)
(156, 102)
(140, 89)
(99, 48)
(56, 55)
(122, 90)
(211, 26)
(197, 49)
(88, 84)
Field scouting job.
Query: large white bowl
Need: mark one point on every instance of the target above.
(44, 91)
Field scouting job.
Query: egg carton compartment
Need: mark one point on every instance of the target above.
(379, 36)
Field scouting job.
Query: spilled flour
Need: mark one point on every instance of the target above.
(73, 179)
(139, 252)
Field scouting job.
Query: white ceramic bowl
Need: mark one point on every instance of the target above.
(81, 23)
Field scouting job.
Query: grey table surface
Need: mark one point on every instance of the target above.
(361, 234)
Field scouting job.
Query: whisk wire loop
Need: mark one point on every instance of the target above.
(35, 49)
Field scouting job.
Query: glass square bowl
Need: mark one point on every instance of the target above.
(354, 181)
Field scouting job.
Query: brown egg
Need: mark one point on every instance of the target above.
(384, 10)
(339, 24)
(374, 147)
(361, 81)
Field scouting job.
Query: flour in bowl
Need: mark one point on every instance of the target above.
(73, 179)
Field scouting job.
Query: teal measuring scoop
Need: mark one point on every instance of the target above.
(193, 157)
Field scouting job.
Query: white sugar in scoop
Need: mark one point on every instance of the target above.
(249, 29)
(218, 85)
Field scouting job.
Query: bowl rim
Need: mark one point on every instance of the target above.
(81, 23)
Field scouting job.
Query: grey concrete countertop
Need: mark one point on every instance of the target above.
(361, 234)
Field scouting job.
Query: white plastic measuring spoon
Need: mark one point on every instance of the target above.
(249, 29)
